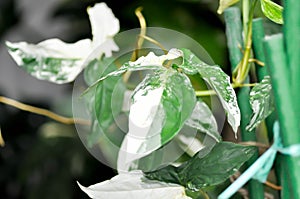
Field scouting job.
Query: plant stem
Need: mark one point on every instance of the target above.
(234, 39)
(245, 11)
(140, 40)
(240, 73)
(44, 112)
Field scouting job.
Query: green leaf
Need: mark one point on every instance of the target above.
(206, 170)
(223, 4)
(160, 106)
(97, 68)
(272, 11)
(216, 79)
(133, 185)
(109, 101)
(105, 100)
(203, 120)
(262, 102)
(51, 60)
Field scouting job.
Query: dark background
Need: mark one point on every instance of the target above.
(44, 159)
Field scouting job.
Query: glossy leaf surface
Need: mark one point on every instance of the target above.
(206, 170)
(217, 80)
(262, 102)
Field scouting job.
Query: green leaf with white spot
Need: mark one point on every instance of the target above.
(206, 169)
(161, 104)
(217, 80)
(203, 120)
(262, 102)
(272, 11)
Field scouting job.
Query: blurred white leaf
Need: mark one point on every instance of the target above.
(133, 185)
(60, 62)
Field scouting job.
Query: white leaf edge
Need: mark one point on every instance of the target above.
(133, 185)
(148, 62)
(104, 26)
(153, 60)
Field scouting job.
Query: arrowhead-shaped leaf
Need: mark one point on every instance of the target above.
(216, 79)
(206, 170)
(160, 106)
(262, 102)
(272, 10)
(134, 185)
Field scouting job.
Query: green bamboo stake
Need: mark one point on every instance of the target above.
(234, 40)
(276, 60)
(261, 71)
(292, 42)
(291, 30)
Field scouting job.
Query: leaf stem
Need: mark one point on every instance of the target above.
(154, 42)
(44, 112)
(2, 143)
(273, 186)
(140, 40)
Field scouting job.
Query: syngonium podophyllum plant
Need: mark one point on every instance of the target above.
(162, 104)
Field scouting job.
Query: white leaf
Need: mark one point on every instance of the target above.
(134, 185)
(52, 60)
(103, 22)
(60, 62)
(152, 60)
